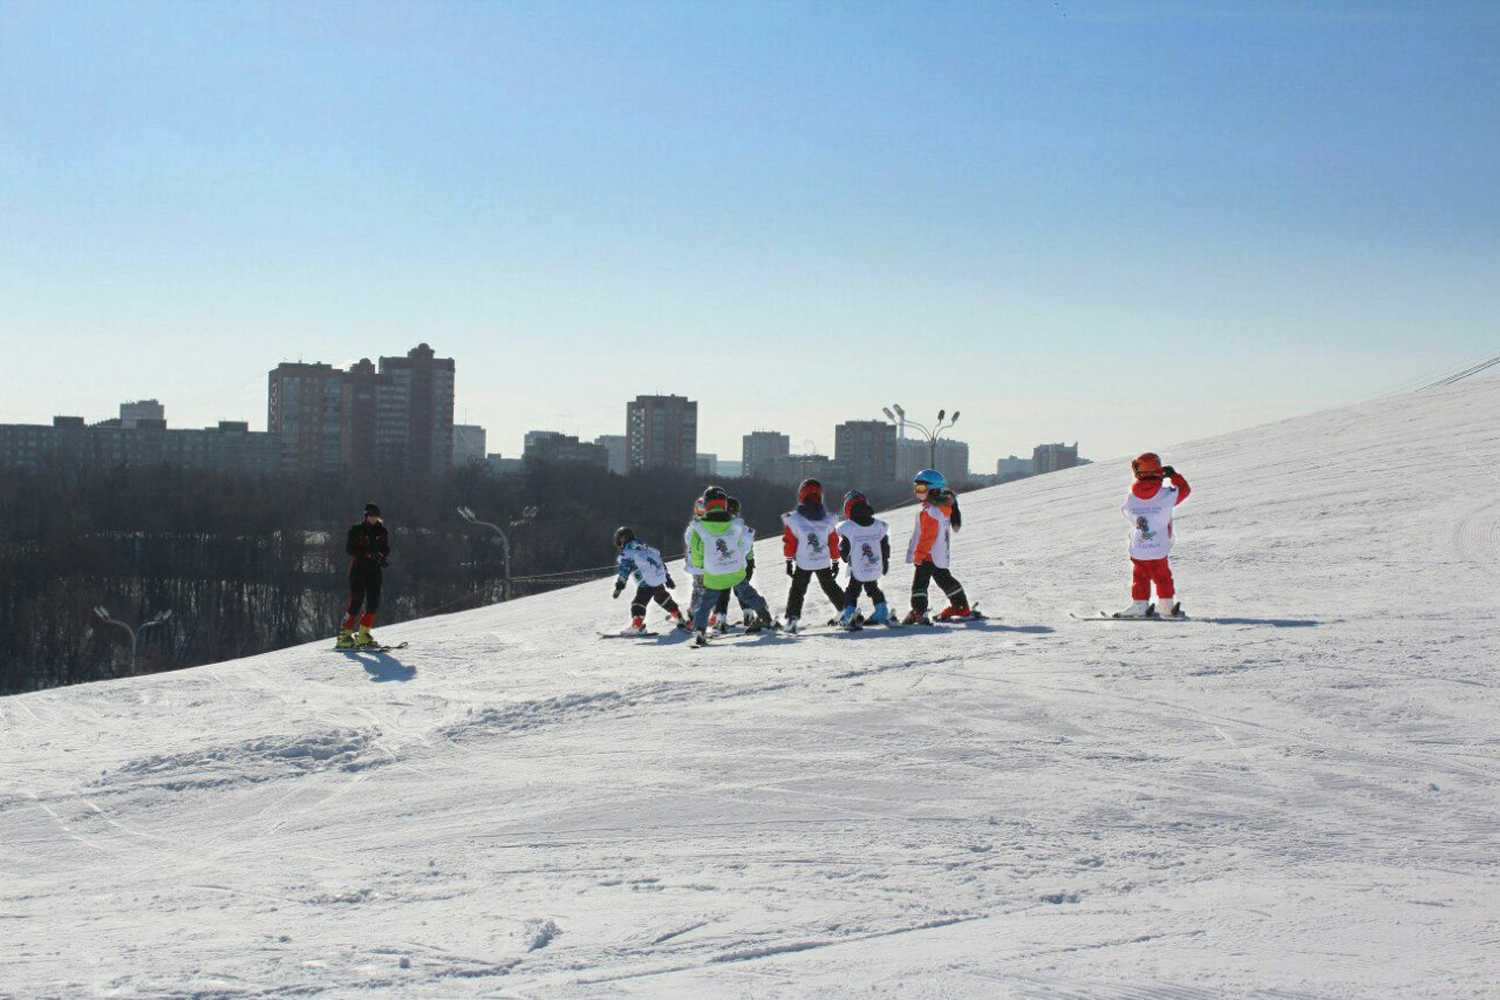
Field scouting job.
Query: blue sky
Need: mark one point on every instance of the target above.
(1124, 224)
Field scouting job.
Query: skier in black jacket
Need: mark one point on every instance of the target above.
(368, 546)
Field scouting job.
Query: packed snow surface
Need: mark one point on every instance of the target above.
(1294, 795)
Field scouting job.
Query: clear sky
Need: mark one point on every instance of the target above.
(1121, 223)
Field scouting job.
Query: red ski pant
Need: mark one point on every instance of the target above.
(1145, 572)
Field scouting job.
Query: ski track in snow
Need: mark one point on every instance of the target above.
(1295, 796)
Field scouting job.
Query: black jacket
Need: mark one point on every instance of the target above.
(368, 544)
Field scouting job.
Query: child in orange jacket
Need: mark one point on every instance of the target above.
(929, 550)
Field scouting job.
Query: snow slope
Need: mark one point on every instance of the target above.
(1294, 796)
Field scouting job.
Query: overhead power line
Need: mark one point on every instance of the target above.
(1460, 376)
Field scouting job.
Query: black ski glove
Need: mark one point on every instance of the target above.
(671, 584)
(619, 586)
(789, 570)
(749, 571)
(1168, 471)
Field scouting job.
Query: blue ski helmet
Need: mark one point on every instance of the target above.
(930, 478)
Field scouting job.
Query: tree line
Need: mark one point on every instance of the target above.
(249, 564)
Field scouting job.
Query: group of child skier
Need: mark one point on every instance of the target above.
(719, 555)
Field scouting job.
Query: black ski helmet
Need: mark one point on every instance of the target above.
(371, 510)
(623, 536)
(715, 493)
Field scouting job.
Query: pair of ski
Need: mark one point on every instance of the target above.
(1115, 616)
(370, 648)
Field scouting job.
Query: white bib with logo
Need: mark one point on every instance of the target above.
(1150, 523)
(723, 554)
(812, 540)
(865, 563)
(648, 564)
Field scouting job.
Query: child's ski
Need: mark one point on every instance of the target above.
(1107, 616)
(974, 615)
(369, 648)
(628, 635)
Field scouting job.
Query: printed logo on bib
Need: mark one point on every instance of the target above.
(1144, 529)
(721, 547)
(815, 543)
(868, 553)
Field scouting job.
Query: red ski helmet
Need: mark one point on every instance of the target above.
(1146, 465)
(810, 489)
(850, 499)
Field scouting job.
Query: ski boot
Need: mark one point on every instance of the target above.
(700, 638)
(713, 619)
(763, 621)
(1137, 609)
(953, 611)
(850, 620)
(915, 617)
(1168, 607)
(791, 626)
(345, 639)
(881, 616)
(637, 626)
(680, 622)
(365, 638)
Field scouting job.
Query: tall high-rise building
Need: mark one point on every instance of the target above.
(661, 432)
(866, 449)
(759, 448)
(304, 409)
(618, 446)
(1052, 457)
(427, 382)
(373, 419)
(398, 419)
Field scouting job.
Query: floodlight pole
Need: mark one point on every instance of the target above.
(932, 434)
(527, 514)
(102, 613)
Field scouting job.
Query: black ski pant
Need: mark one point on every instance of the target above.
(826, 579)
(928, 573)
(644, 595)
(364, 587)
(871, 587)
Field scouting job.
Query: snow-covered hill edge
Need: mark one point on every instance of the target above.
(1293, 796)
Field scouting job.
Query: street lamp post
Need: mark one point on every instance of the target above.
(902, 421)
(102, 613)
(527, 514)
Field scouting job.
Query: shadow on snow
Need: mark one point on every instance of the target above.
(381, 667)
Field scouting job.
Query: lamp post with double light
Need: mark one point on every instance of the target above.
(527, 514)
(902, 421)
(102, 613)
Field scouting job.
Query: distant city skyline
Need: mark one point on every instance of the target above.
(1125, 224)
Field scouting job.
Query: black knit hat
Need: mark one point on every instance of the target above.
(371, 510)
